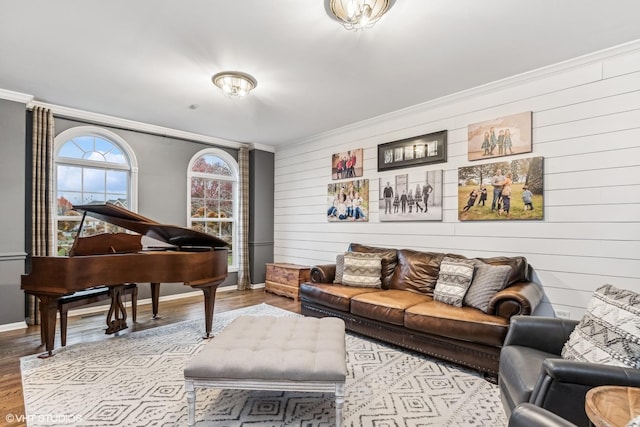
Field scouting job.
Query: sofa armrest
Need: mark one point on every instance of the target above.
(528, 415)
(323, 273)
(546, 334)
(519, 298)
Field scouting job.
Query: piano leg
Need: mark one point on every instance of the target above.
(155, 297)
(117, 316)
(48, 311)
(209, 290)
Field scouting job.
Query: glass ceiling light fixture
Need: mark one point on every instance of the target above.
(234, 84)
(357, 14)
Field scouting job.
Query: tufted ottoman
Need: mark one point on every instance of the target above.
(272, 353)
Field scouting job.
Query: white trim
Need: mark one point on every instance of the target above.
(477, 90)
(262, 147)
(15, 96)
(13, 326)
(257, 285)
(133, 125)
(13, 256)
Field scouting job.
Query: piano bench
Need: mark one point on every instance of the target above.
(89, 296)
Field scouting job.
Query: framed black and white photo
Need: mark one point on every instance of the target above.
(414, 196)
(417, 151)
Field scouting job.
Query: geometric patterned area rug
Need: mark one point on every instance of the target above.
(137, 380)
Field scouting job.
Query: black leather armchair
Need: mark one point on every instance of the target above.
(530, 415)
(532, 370)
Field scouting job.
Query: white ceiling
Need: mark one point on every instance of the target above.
(149, 60)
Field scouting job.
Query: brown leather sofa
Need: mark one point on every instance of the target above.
(403, 311)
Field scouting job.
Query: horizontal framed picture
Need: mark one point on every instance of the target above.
(505, 190)
(347, 164)
(504, 136)
(415, 196)
(417, 151)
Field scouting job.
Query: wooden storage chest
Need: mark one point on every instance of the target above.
(284, 279)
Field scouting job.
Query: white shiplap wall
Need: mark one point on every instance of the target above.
(586, 124)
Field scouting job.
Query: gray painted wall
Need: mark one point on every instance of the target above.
(261, 186)
(12, 210)
(162, 183)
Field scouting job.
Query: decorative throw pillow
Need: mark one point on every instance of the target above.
(609, 332)
(362, 269)
(487, 281)
(339, 268)
(454, 280)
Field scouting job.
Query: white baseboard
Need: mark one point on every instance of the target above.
(13, 326)
(257, 285)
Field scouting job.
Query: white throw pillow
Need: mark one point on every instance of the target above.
(609, 332)
(454, 280)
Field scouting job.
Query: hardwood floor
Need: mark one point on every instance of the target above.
(24, 342)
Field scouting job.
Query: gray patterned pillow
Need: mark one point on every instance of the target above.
(609, 332)
(454, 280)
(487, 281)
(362, 269)
(339, 268)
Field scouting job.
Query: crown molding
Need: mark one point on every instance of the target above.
(262, 147)
(15, 96)
(517, 79)
(104, 119)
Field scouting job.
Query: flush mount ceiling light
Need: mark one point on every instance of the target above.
(234, 84)
(357, 14)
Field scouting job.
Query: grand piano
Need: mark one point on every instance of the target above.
(197, 259)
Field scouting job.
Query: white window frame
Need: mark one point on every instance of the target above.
(98, 132)
(235, 179)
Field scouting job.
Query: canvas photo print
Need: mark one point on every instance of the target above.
(347, 164)
(500, 137)
(415, 196)
(348, 201)
(505, 190)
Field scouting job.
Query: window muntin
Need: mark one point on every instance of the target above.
(213, 196)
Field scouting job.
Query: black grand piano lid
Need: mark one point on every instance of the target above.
(171, 234)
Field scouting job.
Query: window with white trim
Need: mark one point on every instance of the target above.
(92, 165)
(212, 205)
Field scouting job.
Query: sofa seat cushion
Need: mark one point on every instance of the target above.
(519, 372)
(462, 323)
(337, 297)
(386, 306)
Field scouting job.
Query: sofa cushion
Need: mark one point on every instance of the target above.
(386, 306)
(362, 270)
(454, 280)
(389, 260)
(518, 264)
(416, 271)
(463, 323)
(337, 297)
(339, 268)
(487, 281)
(609, 332)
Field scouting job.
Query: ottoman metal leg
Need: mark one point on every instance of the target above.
(339, 403)
(191, 402)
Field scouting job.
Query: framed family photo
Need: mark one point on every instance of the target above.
(347, 164)
(415, 196)
(505, 136)
(348, 201)
(505, 190)
(417, 151)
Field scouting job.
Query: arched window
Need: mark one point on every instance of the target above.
(92, 165)
(212, 205)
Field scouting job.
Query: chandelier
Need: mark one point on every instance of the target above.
(234, 84)
(358, 14)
